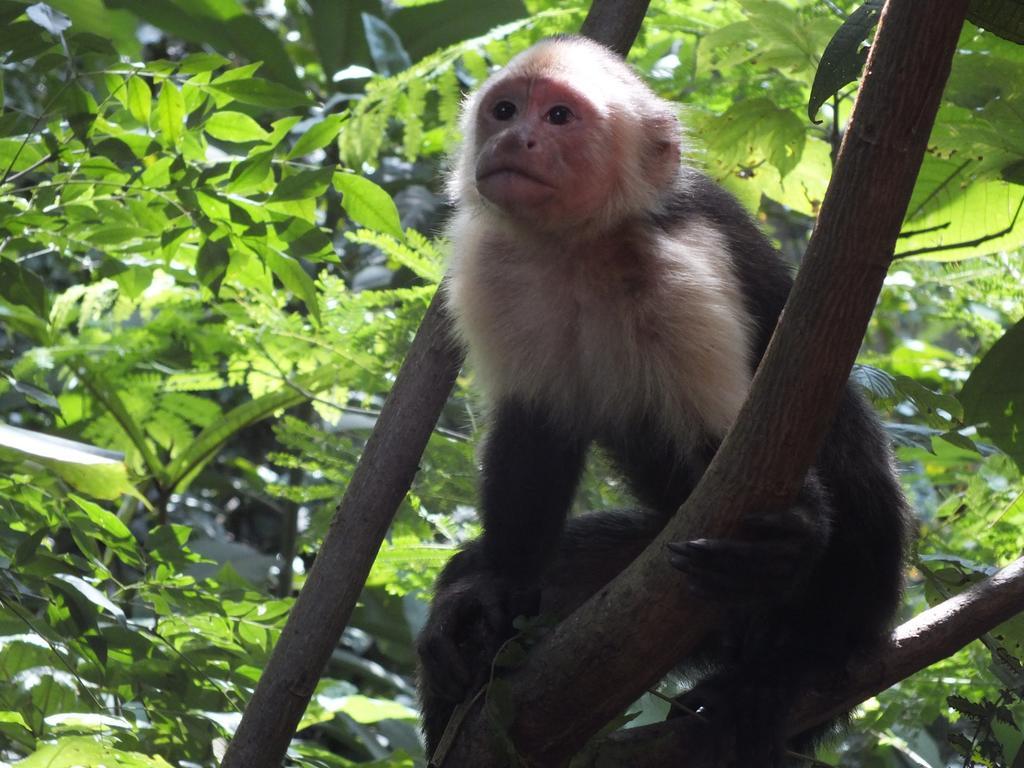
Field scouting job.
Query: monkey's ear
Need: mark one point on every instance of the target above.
(664, 144)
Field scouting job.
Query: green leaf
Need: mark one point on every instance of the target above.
(170, 114)
(94, 596)
(234, 126)
(927, 400)
(251, 175)
(755, 130)
(134, 280)
(319, 135)
(1014, 173)
(166, 544)
(195, 63)
(212, 263)
(844, 56)
(140, 100)
(101, 481)
(13, 718)
(78, 751)
(20, 285)
(367, 204)
(386, 48)
(303, 185)
(79, 107)
(363, 709)
(279, 129)
(261, 93)
(291, 274)
(107, 521)
(23, 321)
(82, 611)
(993, 395)
(952, 216)
(93, 526)
(1002, 17)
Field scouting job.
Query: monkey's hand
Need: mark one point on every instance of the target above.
(770, 558)
(468, 623)
(470, 619)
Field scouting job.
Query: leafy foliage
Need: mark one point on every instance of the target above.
(218, 232)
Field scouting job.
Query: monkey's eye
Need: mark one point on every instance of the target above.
(559, 115)
(503, 110)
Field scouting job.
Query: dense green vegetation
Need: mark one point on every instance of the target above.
(219, 228)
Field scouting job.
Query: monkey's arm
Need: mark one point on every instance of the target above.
(531, 467)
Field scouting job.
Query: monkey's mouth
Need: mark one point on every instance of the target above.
(508, 172)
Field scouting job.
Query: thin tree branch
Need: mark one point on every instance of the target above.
(648, 611)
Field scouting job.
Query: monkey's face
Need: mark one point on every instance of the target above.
(543, 152)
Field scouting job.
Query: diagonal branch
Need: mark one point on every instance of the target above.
(647, 609)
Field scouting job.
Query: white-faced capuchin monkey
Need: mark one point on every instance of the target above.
(609, 294)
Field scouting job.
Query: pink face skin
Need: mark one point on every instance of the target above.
(538, 139)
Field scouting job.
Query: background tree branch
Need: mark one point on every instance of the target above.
(378, 485)
(647, 609)
(927, 638)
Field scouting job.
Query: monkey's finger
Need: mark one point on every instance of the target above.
(764, 558)
(731, 570)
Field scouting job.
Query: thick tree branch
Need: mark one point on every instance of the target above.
(927, 638)
(647, 612)
(378, 485)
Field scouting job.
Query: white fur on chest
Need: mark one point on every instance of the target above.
(607, 333)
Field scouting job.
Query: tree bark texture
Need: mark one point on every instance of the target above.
(647, 612)
(378, 485)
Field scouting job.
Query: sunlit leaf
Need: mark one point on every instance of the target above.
(170, 113)
(319, 135)
(367, 204)
(234, 126)
(78, 751)
(139, 99)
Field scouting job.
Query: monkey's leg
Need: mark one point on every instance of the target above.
(467, 622)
